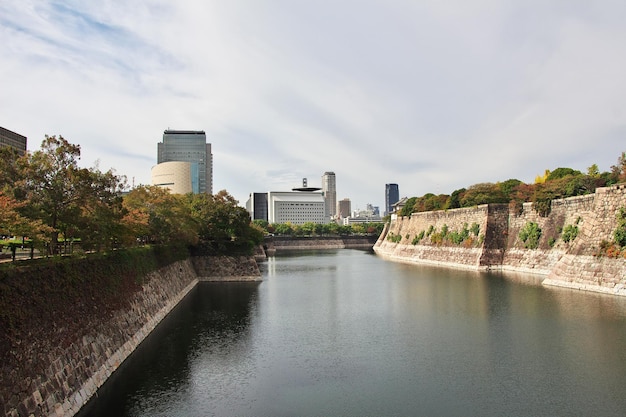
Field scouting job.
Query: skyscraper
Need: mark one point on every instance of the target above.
(329, 190)
(189, 146)
(392, 195)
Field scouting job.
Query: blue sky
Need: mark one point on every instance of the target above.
(431, 95)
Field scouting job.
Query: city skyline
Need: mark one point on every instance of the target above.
(433, 96)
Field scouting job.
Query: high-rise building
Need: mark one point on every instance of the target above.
(12, 140)
(329, 190)
(392, 195)
(189, 146)
(344, 208)
(257, 206)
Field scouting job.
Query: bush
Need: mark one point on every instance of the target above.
(530, 235)
(417, 238)
(569, 233)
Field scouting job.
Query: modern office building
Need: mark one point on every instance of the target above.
(329, 191)
(392, 195)
(177, 176)
(9, 139)
(296, 207)
(300, 205)
(344, 208)
(189, 146)
(257, 206)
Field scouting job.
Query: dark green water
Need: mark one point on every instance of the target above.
(344, 333)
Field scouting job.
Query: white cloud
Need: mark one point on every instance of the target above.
(431, 95)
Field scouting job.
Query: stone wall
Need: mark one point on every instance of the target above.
(226, 268)
(427, 251)
(70, 373)
(290, 243)
(574, 264)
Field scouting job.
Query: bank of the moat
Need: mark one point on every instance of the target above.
(577, 263)
(65, 332)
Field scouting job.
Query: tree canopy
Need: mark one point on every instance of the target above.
(559, 183)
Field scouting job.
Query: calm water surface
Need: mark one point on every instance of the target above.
(345, 333)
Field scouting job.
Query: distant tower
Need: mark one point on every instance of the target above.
(329, 190)
(345, 208)
(189, 146)
(392, 195)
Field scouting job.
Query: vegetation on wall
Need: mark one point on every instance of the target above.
(530, 235)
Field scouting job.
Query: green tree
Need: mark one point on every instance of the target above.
(562, 172)
(454, 201)
(308, 228)
(155, 216)
(69, 199)
(509, 187)
(483, 193)
(408, 207)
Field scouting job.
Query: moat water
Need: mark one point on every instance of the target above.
(345, 333)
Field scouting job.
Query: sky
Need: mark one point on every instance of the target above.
(431, 95)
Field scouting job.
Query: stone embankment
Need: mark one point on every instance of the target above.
(67, 375)
(488, 237)
(278, 244)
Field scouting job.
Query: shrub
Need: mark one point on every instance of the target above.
(530, 235)
(417, 238)
(475, 229)
(569, 233)
(430, 231)
(394, 238)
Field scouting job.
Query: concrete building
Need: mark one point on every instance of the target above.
(301, 205)
(344, 208)
(329, 190)
(177, 176)
(392, 195)
(189, 146)
(296, 207)
(9, 139)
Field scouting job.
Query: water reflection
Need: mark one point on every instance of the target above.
(167, 369)
(345, 333)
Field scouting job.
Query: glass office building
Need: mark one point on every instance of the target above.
(392, 196)
(189, 146)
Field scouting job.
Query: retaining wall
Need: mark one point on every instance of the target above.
(573, 264)
(290, 243)
(73, 371)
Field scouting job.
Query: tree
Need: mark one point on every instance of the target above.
(561, 173)
(12, 223)
(483, 193)
(508, 187)
(223, 226)
(408, 207)
(618, 171)
(454, 201)
(593, 171)
(72, 201)
(154, 215)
